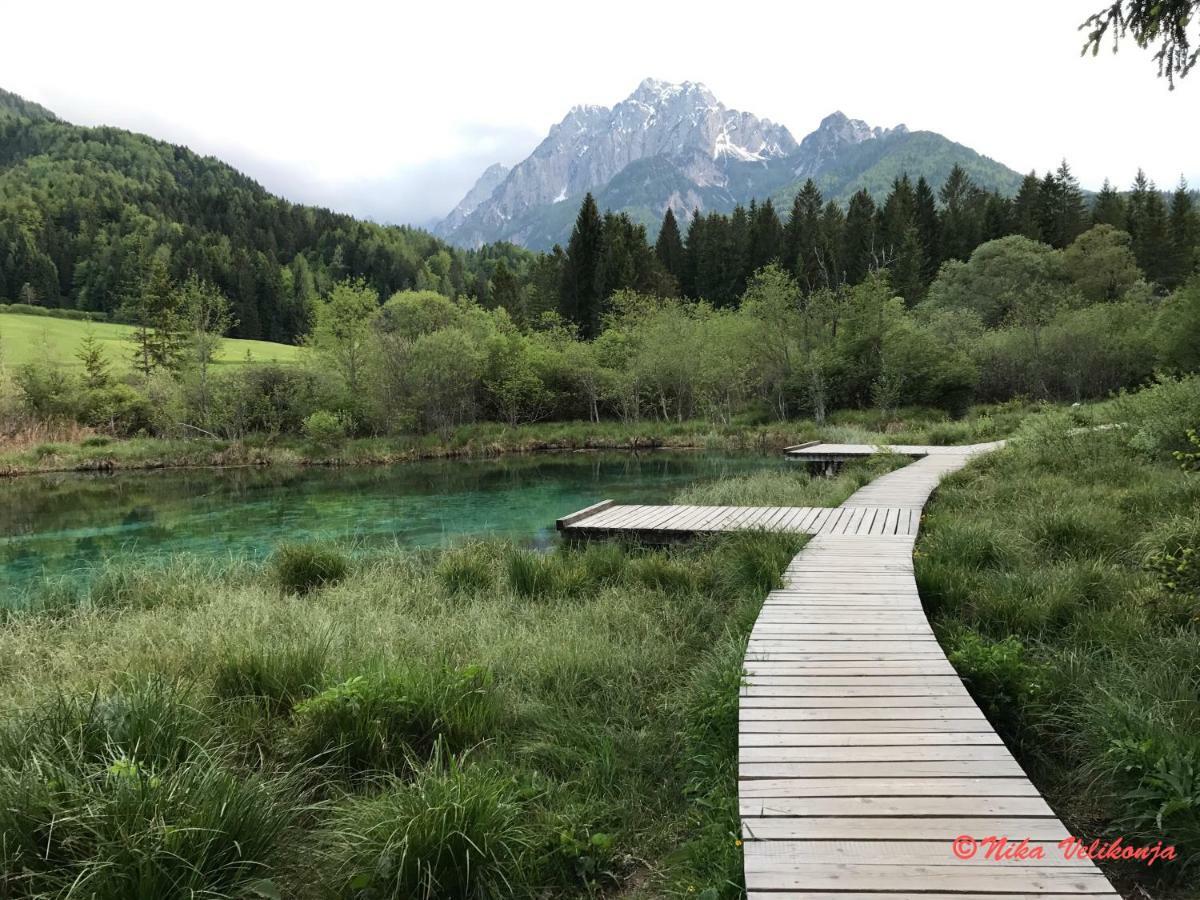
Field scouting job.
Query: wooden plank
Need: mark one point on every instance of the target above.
(894, 753)
(907, 768)
(868, 828)
(890, 786)
(584, 513)
(906, 807)
(950, 877)
(773, 854)
(833, 739)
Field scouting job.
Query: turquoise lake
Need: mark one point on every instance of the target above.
(64, 525)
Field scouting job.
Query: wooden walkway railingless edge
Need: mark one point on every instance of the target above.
(862, 758)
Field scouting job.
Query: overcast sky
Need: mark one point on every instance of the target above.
(392, 110)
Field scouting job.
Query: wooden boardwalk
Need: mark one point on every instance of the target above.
(861, 755)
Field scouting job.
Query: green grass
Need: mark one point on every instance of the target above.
(25, 339)
(475, 722)
(491, 439)
(1056, 574)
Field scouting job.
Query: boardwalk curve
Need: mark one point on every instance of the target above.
(862, 758)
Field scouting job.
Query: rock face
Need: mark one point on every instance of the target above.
(665, 145)
(836, 132)
(491, 178)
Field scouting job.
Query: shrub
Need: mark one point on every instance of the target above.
(301, 568)
(998, 674)
(388, 722)
(460, 834)
(1172, 554)
(325, 430)
(1158, 418)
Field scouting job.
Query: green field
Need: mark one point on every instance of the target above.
(25, 339)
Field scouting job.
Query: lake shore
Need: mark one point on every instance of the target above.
(41, 454)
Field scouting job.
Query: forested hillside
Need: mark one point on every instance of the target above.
(85, 212)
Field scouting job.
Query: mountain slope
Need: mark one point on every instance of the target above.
(84, 211)
(678, 146)
(683, 124)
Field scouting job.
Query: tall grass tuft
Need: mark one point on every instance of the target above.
(279, 675)
(120, 829)
(302, 568)
(456, 833)
(388, 721)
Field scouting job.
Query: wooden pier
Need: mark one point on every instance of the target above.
(862, 758)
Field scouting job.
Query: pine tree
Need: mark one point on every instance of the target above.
(765, 242)
(580, 295)
(802, 237)
(1026, 210)
(669, 246)
(829, 252)
(736, 261)
(997, 216)
(1108, 208)
(505, 291)
(694, 251)
(928, 232)
(1184, 227)
(960, 215)
(907, 270)
(860, 250)
(897, 214)
(96, 375)
(153, 309)
(1152, 246)
(1064, 215)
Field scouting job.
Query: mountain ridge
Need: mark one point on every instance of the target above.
(677, 146)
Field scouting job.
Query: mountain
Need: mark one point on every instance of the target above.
(491, 179)
(677, 145)
(84, 212)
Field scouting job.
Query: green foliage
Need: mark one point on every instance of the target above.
(390, 721)
(279, 676)
(998, 674)
(1101, 263)
(325, 430)
(302, 568)
(461, 833)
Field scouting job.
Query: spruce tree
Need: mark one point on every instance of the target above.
(766, 238)
(1184, 228)
(997, 216)
(96, 375)
(829, 257)
(960, 219)
(1108, 208)
(580, 295)
(694, 251)
(802, 237)
(860, 250)
(925, 216)
(505, 291)
(1064, 215)
(1026, 209)
(669, 246)
(1152, 245)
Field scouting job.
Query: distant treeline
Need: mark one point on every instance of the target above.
(911, 234)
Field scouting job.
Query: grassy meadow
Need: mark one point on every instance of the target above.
(38, 339)
(1062, 576)
(479, 722)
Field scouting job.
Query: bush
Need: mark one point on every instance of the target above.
(999, 676)
(389, 722)
(460, 834)
(325, 430)
(301, 568)
(1158, 418)
(1172, 554)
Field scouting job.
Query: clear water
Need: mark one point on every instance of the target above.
(64, 525)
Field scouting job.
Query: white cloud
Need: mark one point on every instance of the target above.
(392, 110)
